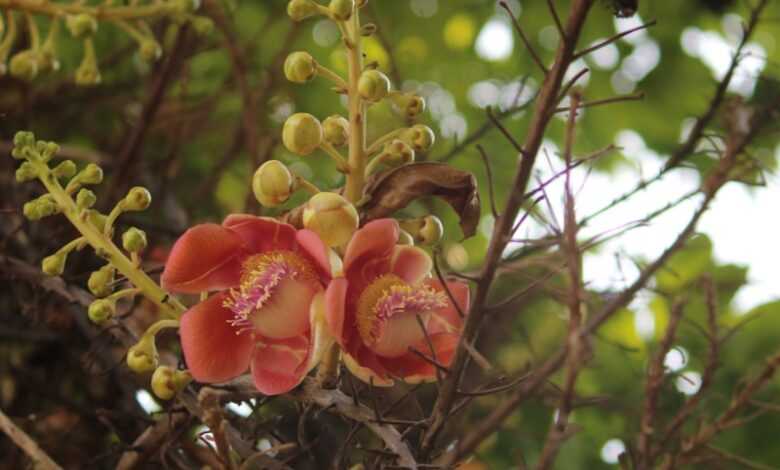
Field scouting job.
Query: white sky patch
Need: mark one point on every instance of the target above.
(242, 409)
(325, 33)
(624, 24)
(495, 41)
(147, 401)
(611, 451)
(676, 359)
(605, 58)
(688, 382)
(424, 8)
(454, 126)
(484, 93)
(643, 59)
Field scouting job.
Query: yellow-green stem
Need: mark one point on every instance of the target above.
(377, 145)
(155, 327)
(353, 190)
(101, 13)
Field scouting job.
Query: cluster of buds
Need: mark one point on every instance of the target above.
(82, 25)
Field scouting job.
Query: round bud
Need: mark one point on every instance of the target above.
(167, 382)
(26, 172)
(48, 150)
(300, 67)
(456, 256)
(25, 65)
(100, 281)
(85, 199)
(420, 137)
(398, 153)
(149, 50)
(81, 25)
(336, 129)
(91, 174)
(41, 207)
(272, 183)
(373, 86)
(134, 240)
(432, 230)
(87, 74)
(24, 139)
(341, 10)
(65, 169)
(137, 199)
(332, 217)
(413, 106)
(101, 310)
(302, 134)
(54, 265)
(299, 10)
(404, 238)
(202, 25)
(142, 357)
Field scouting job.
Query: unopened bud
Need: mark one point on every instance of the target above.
(409, 104)
(26, 172)
(100, 281)
(134, 240)
(91, 174)
(25, 65)
(404, 238)
(87, 74)
(167, 382)
(65, 169)
(137, 199)
(41, 207)
(420, 137)
(46, 150)
(426, 230)
(24, 139)
(85, 199)
(397, 153)
(54, 265)
(272, 183)
(300, 67)
(341, 10)
(373, 86)
(142, 357)
(101, 310)
(183, 7)
(202, 25)
(299, 10)
(336, 129)
(302, 134)
(456, 256)
(81, 25)
(332, 217)
(149, 50)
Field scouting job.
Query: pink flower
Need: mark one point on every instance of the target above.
(268, 311)
(375, 311)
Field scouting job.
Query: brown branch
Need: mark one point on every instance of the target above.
(612, 39)
(615, 99)
(491, 188)
(27, 444)
(523, 37)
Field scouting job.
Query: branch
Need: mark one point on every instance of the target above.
(523, 37)
(27, 444)
(612, 39)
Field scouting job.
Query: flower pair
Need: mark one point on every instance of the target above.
(282, 298)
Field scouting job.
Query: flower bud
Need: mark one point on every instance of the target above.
(26, 172)
(373, 86)
(183, 7)
(100, 281)
(300, 67)
(85, 199)
(142, 357)
(302, 134)
(149, 50)
(336, 129)
(46, 150)
(397, 153)
(332, 217)
(341, 10)
(411, 105)
(272, 183)
(54, 265)
(432, 230)
(137, 199)
(202, 25)
(404, 238)
(91, 174)
(299, 10)
(41, 207)
(65, 169)
(420, 137)
(81, 25)
(87, 74)
(167, 382)
(25, 65)
(101, 310)
(134, 240)
(24, 139)
(456, 256)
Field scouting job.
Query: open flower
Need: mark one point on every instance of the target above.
(390, 318)
(268, 313)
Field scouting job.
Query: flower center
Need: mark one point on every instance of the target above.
(387, 312)
(274, 295)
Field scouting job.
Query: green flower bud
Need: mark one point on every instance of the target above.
(65, 169)
(397, 153)
(142, 357)
(25, 65)
(100, 281)
(101, 310)
(409, 104)
(336, 130)
(81, 25)
(332, 217)
(149, 50)
(91, 174)
(373, 86)
(420, 137)
(24, 139)
(54, 265)
(341, 10)
(302, 134)
(167, 382)
(432, 230)
(26, 172)
(137, 199)
(47, 150)
(85, 199)
(134, 240)
(202, 25)
(183, 7)
(272, 183)
(404, 238)
(87, 74)
(300, 67)
(41, 207)
(299, 10)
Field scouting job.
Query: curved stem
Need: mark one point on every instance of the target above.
(374, 148)
(332, 76)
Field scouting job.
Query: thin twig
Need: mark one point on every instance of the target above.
(27, 444)
(491, 188)
(523, 37)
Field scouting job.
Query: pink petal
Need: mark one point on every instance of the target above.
(410, 263)
(313, 246)
(448, 319)
(375, 240)
(212, 348)
(397, 333)
(262, 234)
(413, 368)
(335, 307)
(364, 365)
(206, 257)
(279, 365)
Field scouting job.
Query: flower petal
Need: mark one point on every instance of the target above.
(410, 263)
(286, 312)
(375, 239)
(321, 340)
(279, 365)
(212, 348)
(335, 308)
(313, 246)
(414, 369)
(365, 367)
(262, 234)
(448, 319)
(205, 257)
